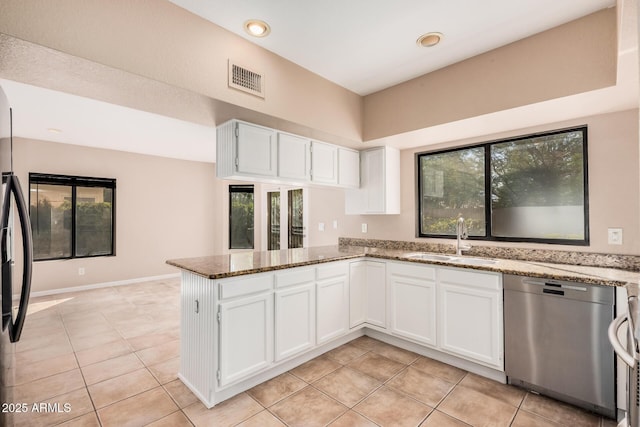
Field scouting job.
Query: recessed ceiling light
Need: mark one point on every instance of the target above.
(54, 130)
(429, 39)
(257, 28)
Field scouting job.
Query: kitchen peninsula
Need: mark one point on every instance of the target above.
(248, 317)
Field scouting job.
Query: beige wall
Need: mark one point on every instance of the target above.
(172, 208)
(614, 190)
(573, 58)
(161, 41)
(165, 209)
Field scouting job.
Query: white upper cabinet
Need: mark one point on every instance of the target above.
(246, 150)
(294, 157)
(256, 150)
(379, 191)
(348, 167)
(324, 163)
(249, 152)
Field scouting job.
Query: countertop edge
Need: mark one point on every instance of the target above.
(573, 273)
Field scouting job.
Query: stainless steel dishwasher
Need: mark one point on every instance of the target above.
(556, 340)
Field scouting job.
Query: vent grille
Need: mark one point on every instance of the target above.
(246, 80)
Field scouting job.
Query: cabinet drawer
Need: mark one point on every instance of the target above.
(246, 285)
(471, 278)
(332, 270)
(425, 272)
(295, 277)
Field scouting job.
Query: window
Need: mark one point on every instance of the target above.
(241, 222)
(71, 216)
(296, 218)
(530, 188)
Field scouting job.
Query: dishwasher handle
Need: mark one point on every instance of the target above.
(612, 332)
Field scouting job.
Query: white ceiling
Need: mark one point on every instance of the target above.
(369, 45)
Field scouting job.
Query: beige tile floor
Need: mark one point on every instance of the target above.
(113, 355)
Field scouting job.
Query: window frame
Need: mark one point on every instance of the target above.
(75, 181)
(488, 190)
(241, 188)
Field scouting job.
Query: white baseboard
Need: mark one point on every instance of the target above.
(102, 285)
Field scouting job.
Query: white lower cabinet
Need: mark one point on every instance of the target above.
(454, 310)
(470, 315)
(246, 337)
(295, 314)
(367, 293)
(412, 295)
(237, 328)
(357, 293)
(332, 302)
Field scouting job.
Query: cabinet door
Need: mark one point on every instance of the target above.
(379, 191)
(295, 314)
(246, 337)
(373, 171)
(413, 308)
(324, 161)
(332, 308)
(357, 293)
(256, 150)
(470, 323)
(376, 307)
(294, 157)
(348, 168)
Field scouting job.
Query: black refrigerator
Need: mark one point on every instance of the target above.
(16, 256)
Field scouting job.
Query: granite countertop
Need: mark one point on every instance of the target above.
(241, 263)
(238, 264)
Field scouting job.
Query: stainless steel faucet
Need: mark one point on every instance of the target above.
(461, 232)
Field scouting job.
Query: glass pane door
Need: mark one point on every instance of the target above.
(273, 220)
(284, 220)
(296, 218)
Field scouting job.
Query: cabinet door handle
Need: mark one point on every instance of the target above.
(197, 307)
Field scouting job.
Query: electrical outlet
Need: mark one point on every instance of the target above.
(321, 226)
(335, 224)
(615, 236)
(364, 227)
(81, 271)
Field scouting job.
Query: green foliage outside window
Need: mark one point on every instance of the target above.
(536, 189)
(241, 219)
(61, 231)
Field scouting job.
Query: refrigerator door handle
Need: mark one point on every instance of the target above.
(15, 326)
(4, 256)
(27, 253)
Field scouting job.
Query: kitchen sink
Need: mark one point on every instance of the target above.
(429, 257)
(453, 259)
(473, 261)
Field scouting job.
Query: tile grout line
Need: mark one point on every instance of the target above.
(95, 410)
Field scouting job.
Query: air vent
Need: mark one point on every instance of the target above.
(246, 80)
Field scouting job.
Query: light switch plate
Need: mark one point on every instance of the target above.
(335, 224)
(364, 227)
(321, 226)
(615, 236)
